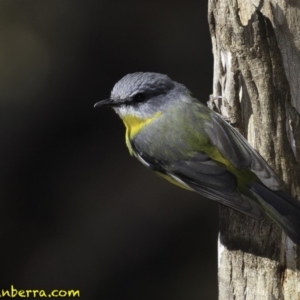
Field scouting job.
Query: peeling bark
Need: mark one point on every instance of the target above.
(256, 47)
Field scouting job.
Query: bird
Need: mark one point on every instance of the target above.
(190, 145)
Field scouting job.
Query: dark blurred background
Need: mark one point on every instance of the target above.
(77, 212)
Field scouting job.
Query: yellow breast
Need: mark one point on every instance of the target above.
(134, 125)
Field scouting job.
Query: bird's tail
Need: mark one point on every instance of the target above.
(281, 208)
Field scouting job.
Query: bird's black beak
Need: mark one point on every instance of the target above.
(106, 103)
(112, 103)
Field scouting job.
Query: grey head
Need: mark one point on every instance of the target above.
(143, 94)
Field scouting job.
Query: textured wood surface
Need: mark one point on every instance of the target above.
(256, 47)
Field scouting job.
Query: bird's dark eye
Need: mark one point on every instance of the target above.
(140, 97)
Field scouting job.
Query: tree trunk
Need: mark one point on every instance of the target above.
(256, 47)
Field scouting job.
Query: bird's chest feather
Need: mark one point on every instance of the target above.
(135, 125)
(168, 138)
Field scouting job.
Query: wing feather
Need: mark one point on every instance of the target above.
(208, 178)
(234, 147)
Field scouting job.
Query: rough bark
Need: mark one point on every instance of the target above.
(256, 47)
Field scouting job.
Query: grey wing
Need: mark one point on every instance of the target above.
(214, 181)
(234, 147)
